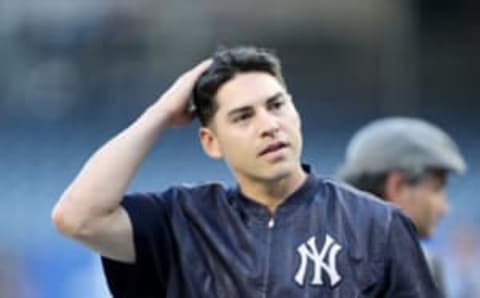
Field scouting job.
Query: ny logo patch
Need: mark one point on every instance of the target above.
(325, 261)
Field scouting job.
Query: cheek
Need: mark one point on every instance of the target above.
(295, 118)
(429, 206)
(419, 201)
(234, 146)
(293, 124)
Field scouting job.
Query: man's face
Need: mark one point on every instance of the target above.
(426, 202)
(256, 128)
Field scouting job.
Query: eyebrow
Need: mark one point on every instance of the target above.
(243, 109)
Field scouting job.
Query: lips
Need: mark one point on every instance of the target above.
(272, 148)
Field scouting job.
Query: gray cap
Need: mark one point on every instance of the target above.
(400, 143)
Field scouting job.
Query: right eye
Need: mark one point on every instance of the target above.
(241, 117)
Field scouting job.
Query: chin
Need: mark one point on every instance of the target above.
(281, 172)
(271, 172)
(280, 176)
(425, 233)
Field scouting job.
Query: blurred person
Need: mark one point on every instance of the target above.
(281, 232)
(405, 161)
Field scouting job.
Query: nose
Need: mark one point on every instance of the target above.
(267, 123)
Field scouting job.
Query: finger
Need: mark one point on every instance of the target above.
(200, 68)
(184, 84)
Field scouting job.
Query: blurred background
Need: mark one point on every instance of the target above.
(74, 73)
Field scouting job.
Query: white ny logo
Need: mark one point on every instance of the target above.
(308, 251)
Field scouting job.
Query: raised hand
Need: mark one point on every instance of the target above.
(175, 101)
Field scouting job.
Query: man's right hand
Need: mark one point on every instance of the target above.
(175, 101)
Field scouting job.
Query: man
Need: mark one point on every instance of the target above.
(282, 232)
(405, 161)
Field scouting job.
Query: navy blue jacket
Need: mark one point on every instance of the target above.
(325, 240)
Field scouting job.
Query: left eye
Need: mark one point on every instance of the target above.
(276, 105)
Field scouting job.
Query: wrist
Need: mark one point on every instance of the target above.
(160, 112)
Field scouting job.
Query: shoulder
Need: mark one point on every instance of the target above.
(184, 194)
(368, 222)
(364, 217)
(355, 202)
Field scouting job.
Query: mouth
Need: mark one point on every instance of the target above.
(273, 148)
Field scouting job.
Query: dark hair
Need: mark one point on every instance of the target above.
(372, 183)
(375, 183)
(227, 62)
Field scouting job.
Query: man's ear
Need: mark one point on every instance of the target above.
(210, 143)
(396, 187)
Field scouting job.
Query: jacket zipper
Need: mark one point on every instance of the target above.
(270, 225)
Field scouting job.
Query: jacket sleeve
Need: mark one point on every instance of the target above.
(145, 278)
(406, 270)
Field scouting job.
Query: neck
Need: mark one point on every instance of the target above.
(272, 193)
